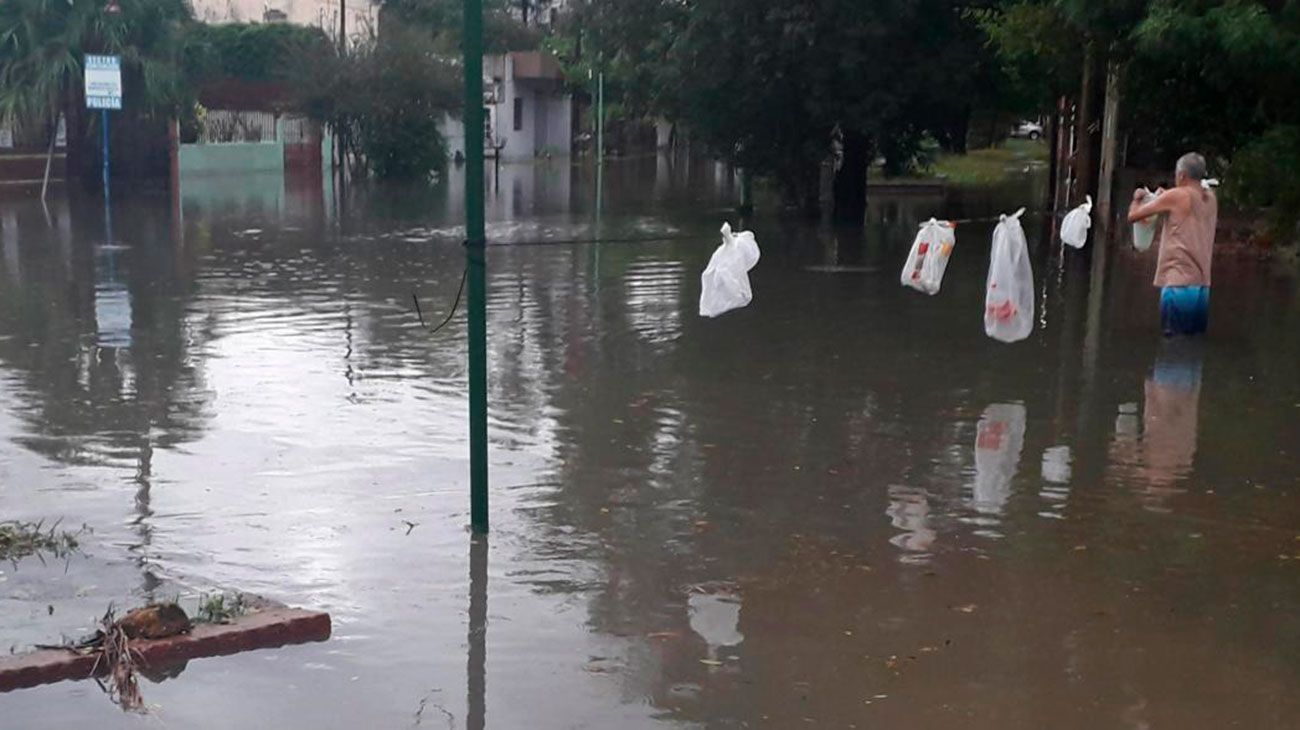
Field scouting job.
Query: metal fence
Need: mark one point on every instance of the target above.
(220, 126)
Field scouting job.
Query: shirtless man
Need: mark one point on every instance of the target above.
(1186, 246)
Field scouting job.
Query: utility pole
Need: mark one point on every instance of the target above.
(600, 141)
(475, 254)
(340, 153)
(1109, 140)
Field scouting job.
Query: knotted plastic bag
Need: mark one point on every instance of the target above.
(1144, 231)
(1009, 297)
(726, 280)
(1074, 229)
(928, 259)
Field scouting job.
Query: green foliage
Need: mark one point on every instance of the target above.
(22, 539)
(1264, 173)
(220, 608)
(1217, 76)
(765, 83)
(43, 42)
(250, 51)
(386, 97)
(443, 20)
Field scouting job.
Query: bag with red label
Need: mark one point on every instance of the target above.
(928, 259)
(1009, 297)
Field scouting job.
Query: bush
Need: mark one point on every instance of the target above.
(249, 51)
(1264, 173)
(386, 97)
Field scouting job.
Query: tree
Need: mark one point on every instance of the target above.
(43, 43)
(772, 85)
(443, 21)
(1217, 76)
(388, 96)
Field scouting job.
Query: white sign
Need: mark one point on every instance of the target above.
(103, 82)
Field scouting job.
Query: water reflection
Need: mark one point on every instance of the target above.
(1056, 472)
(909, 511)
(1160, 454)
(715, 617)
(999, 440)
(476, 665)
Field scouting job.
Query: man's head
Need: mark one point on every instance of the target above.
(1190, 168)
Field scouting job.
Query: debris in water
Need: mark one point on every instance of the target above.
(156, 621)
(968, 608)
(19, 540)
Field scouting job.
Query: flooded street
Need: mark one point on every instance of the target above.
(843, 506)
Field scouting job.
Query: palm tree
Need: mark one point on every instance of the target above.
(43, 44)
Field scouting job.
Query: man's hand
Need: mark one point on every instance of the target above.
(1139, 194)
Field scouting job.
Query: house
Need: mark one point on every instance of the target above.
(528, 111)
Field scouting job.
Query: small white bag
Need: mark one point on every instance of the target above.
(928, 259)
(1074, 229)
(1009, 296)
(1144, 231)
(726, 280)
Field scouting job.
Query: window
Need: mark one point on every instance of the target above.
(519, 114)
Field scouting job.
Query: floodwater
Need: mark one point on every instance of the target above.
(843, 506)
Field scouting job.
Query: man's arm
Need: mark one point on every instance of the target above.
(1164, 202)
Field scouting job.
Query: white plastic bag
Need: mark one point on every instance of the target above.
(929, 256)
(1144, 231)
(1009, 297)
(726, 280)
(1074, 229)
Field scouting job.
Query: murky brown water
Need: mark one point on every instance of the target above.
(840, 507)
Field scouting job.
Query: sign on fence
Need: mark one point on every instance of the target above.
(103, 82)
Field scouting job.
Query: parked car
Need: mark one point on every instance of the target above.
(1028, 130)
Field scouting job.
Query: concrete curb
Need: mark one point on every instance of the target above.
(263, 629)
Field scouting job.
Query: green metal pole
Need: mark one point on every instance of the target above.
(600, 142)
(475, 250)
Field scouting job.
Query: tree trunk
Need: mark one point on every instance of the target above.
(850, 187)
(1109, 139)
(1053, 147)
(1065, 118)
(1083, 135)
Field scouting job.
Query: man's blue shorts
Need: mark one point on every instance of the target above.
(1184, 310)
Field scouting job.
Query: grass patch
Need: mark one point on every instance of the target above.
(19, 540)
(983, 166)
(992, 164)
(221, 608)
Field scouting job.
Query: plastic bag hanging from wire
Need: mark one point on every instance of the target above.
(928, 259)
(1144, 231)
(1074, 229)
(725, 283)
(1009, 296)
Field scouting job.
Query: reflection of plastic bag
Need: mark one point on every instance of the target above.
(726, 280)
(1144, 231)
(1056, 465)
(1009, 300)
(1074, 229)
(999, 438)
(929, 256)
